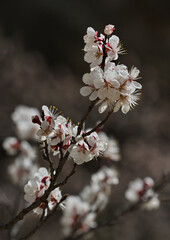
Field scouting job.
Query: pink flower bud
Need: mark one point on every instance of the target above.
(109, 29)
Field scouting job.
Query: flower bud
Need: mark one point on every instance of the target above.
(109, 29)
(35, 119)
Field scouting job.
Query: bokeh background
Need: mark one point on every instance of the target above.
(41, 62)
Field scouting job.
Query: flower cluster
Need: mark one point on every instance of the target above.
(55, 129)
(112, 85)
(80, 212)
(143, 190)
(36, 188)
(59, 133)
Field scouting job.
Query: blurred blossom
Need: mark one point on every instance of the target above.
(22, 169)
(77, 216)
(36, 187)
(11, 145)
(143, 190)
(98, 192)
(22, 120)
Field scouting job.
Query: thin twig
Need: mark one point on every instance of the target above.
(100, 124)
(47, 158)
(67, 178)
(90, 108)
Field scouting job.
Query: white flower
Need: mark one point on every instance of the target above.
(48, 123)
(108, 30)
(89, 38)
(81, 153)
(126, 102)
(93, 81)
(96, 144)
(54, 198)
(60, 132)
(11, 145)
(133, 75)
(36, 188)
(114, 48)
(45, 130)
(43, 177)
(121, 74)
(77, 216)
(94, 56)
(22, 119)
(86, 149)
(112, 152)
(109, 92)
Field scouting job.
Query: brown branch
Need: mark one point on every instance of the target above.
(90, 108)
(42, 199)
(47, 158)
(163, 182)
(67, 178)
(100, 124)
(43, 220)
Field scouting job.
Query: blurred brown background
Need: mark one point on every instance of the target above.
(41, 62)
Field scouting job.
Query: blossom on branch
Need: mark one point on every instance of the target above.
(36, 188)
(113, 85)
(55, 129)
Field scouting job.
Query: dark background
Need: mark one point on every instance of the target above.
(41, 62)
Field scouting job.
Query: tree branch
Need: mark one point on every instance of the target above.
(43, 220)
(90, 108)
(100, 124)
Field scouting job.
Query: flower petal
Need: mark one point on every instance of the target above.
(85, 91)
